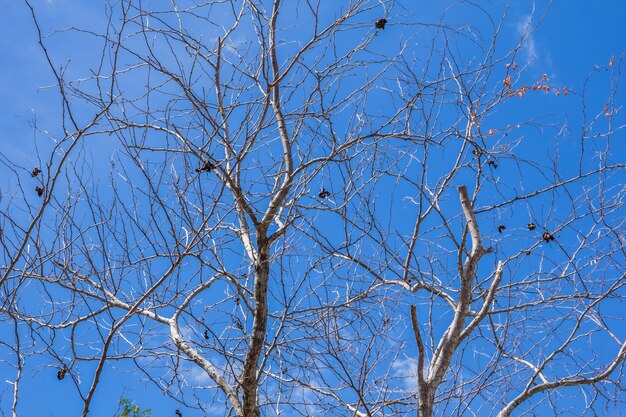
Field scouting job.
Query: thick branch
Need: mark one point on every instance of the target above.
(208, 367)
(564, 382)
(454, 334)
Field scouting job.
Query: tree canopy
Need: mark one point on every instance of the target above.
(346, 208)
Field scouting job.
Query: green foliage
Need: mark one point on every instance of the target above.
(129, 409)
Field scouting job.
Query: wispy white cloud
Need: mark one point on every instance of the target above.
(198, 376)
(406, 369)
(524, 28)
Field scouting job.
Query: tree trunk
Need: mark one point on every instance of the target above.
(249, 383)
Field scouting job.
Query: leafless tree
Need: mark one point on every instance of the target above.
(270, 207)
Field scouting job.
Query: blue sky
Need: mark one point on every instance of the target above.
(576, 40)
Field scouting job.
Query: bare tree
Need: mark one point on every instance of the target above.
(321, 208)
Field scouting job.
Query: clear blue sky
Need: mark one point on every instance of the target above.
(575, 39)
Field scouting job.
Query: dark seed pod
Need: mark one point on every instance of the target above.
(380, 24)
(324, 194)
(532, 226)
(547, 237)
(207, 167)
(501, 228)
(36, 171)
(39, 190)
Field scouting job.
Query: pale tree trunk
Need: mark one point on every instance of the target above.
(457, 330)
